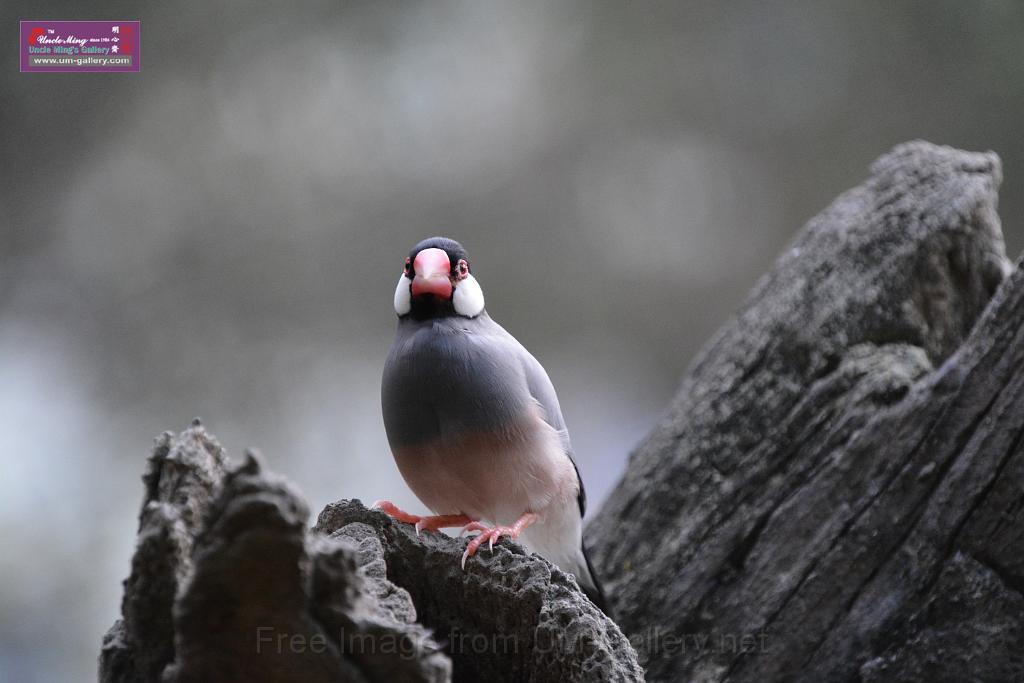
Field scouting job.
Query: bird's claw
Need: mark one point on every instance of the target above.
(492, 534)
(473, 526)
(423, 523)
(489, 535)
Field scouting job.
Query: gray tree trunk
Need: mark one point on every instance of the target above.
(836, 492)
(834, 495)
(229, 584)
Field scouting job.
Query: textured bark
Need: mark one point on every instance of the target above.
(508, 616)
(841, 477)
(228, 584)
(835, 494)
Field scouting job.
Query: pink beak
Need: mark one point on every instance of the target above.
(433, 274)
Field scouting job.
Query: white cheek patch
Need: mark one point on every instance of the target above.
(468, 297)
(403, 296)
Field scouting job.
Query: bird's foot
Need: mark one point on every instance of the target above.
(431, 523)
(440, 522)
(395, 512)
(492, 534)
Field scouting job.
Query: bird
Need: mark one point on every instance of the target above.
(474, 423)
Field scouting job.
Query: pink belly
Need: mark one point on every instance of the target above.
(492, 476)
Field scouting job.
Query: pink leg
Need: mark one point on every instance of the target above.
(395, 512)
(429, 523)
(441, 521)
(491, 534)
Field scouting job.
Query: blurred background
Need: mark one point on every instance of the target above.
(220, 234)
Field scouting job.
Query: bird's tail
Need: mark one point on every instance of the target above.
(592, 586)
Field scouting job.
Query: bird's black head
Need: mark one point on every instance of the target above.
(437, 281)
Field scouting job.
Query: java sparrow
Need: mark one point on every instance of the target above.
(473, 420)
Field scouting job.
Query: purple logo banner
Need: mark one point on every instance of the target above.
(78, 46)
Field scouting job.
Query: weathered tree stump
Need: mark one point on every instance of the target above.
(835, 495)
(840, 479)
(228, 584)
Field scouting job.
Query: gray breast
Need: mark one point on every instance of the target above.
(448, 377)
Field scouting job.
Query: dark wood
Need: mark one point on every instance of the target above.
(228, 584)
(840, 478)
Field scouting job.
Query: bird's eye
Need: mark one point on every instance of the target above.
(462, 269)
(408, 266)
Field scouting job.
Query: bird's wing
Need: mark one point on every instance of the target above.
(540, 387)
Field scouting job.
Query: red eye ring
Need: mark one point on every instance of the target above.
(462, 269)
(408, 266)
